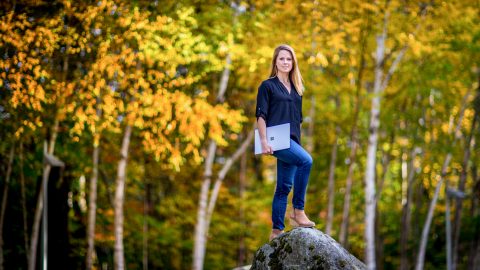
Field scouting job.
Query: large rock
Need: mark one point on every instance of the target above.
(304, 248)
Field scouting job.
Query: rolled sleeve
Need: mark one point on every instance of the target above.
(262, 102)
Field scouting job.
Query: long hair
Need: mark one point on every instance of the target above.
(294, 74)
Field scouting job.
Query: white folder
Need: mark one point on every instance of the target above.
(278, 137)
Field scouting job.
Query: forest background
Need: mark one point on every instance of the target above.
(138, 116)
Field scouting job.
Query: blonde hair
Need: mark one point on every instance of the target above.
(294, 74)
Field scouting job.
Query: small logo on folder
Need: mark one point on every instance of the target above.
(272, 138)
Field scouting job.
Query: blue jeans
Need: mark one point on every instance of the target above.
(293, 168)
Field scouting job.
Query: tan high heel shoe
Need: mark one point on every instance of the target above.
(294, 221)
(275, 233)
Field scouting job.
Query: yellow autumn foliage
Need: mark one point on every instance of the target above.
(136, 81)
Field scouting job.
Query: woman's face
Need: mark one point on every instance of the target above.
(284, 61)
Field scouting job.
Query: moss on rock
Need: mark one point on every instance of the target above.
(304, 248)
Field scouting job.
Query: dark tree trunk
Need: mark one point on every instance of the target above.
(474, 245)
(23, 201)
(461, 186)
(5, 201)
(406, 214)
(146, 213)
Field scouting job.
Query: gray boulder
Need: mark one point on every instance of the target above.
(302, 249)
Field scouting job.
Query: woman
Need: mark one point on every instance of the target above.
(279, 101)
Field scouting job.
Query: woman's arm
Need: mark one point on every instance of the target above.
(263, 102)
(262, 131)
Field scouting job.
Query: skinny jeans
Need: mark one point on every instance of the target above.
(293, 169)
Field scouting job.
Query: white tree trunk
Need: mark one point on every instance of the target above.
(224, 79)
(371, 155)
(207, 203)
(200, 227)
(426, 227)
(4, 201)
(200, 238)
(221, 176)
(46, 173)
(381, 82)
(39, 208)
(119, 260)
(370, 190)
(36, 221)
(92, 208)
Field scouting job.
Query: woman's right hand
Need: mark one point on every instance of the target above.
(262, 130)
(266, 148)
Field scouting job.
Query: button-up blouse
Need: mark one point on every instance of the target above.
(277, 106)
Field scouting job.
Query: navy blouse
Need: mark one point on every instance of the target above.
(276, 106)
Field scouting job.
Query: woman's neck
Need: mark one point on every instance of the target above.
(283, 77)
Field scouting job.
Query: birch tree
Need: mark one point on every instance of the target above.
(137, 83)
(205, 203)
(37, 89)
(380, 84)
(426, 227)
(87, 77)
(372, 149)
